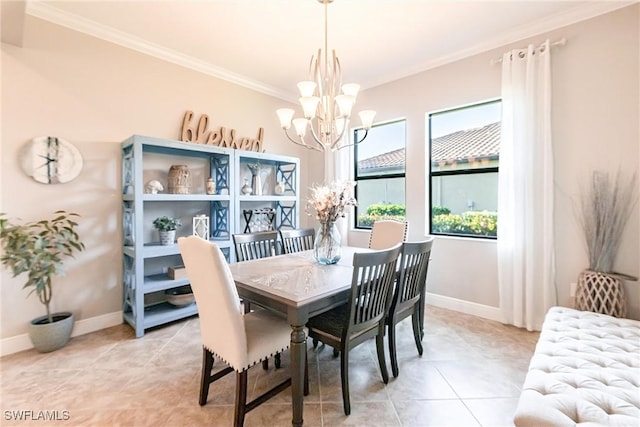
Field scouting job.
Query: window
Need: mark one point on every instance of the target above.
(379, 173)
(464, 148)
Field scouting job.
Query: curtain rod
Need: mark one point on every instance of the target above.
(560, 42)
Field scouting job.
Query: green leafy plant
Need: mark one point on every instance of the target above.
(477, 223)
(39, 248)
(379, 212)
(386, 210)
(165, 223)
(440, 210)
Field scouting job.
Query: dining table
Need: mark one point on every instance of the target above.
(299, 287)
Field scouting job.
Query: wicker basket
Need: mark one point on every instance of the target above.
(179, 179)
(600, 293)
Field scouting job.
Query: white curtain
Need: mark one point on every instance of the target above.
(339, 171)
(526, 270)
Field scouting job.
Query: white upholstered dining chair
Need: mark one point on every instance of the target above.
(239, 339)
(387, 233)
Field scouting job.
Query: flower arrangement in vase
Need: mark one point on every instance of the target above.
(329, 203)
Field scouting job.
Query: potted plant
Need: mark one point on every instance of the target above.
(605, 209)
(39, 249)
(167, 228)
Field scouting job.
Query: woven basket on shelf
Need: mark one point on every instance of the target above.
(179, 179)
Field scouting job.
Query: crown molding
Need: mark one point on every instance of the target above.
(74, 22)
(92, 28)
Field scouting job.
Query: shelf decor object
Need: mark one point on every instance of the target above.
(181, 296)
(210, 186)
(256, 178)
(259, 219)
(325, 103)
(179, 179)
(201, 226)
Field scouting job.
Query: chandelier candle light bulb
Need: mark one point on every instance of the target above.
(326, 103)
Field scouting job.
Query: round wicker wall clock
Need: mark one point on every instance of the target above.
(52, 160)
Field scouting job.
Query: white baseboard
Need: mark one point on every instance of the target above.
(467, 307)
(22, 342)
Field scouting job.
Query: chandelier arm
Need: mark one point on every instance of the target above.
(354, 143)
(334, 146)
(318, 139)
(301, 142)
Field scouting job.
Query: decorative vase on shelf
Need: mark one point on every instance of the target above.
(179, 179)
(279, 190)
(210, 186)
(246, 188)
(327, 245)
(256, 178)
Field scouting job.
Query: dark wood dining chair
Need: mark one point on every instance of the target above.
(297, 240)
(387, 233)
(408, 295)
(250, 246)
(239, 339)
(363, 317)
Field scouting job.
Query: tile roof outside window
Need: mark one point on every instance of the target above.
(458, 147)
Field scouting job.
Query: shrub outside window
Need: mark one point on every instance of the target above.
(464, 146)
(379, 172)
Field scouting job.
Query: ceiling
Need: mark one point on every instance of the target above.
(267, 45)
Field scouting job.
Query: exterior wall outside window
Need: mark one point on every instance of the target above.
(379, 171)
(464, 147)
(462, 193)
(389, 191)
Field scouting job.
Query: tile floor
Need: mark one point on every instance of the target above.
(469, 375)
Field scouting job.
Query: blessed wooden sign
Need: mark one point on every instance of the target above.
(220, 137)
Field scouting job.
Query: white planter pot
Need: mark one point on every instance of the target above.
(167, 237)
(47, 337)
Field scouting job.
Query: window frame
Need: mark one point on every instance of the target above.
(378, 176)
(454, 172)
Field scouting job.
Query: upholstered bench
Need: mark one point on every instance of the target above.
(585, 371)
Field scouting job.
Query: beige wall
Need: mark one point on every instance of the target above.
(96, 94)
(595, 119)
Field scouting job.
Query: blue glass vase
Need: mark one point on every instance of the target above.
(327, 245)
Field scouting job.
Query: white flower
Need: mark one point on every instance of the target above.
(331, 202)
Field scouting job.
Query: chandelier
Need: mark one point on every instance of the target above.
(326, 103)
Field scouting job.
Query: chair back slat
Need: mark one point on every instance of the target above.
(258, 245)
(414, 263)
(373, 274)
(297, 240)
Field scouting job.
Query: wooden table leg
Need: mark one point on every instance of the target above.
(298, 349)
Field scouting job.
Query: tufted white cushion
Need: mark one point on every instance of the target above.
(585, 371)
